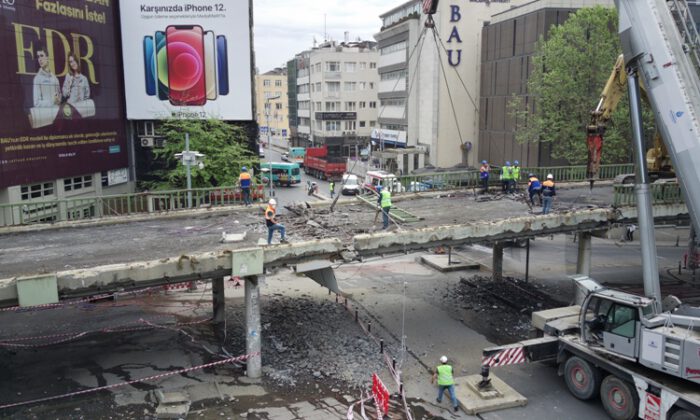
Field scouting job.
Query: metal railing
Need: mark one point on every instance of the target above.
(121, 205)
(661, 193)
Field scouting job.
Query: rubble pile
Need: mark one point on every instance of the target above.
(309, 222)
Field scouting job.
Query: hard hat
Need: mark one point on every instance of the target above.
(272, 202)
(244, 169)
(484, 162)
(443, 359)
(530, 175)
(507, 163)
(516, 163)
(550, 176)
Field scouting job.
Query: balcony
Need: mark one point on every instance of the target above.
(395, 85)
(332, 75)
(396, 57)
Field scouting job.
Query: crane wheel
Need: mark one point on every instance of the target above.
(582, 379)
(683, 415)
(619, 398)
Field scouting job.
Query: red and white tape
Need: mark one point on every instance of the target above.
(509, 356)
(120, 384)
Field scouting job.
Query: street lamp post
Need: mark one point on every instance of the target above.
(269, 142)
(188, 158)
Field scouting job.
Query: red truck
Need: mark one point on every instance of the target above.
(321, 164)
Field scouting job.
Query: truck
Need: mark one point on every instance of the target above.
(324, 163)
(640, 356)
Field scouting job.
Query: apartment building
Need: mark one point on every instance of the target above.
(337, 95)
(271, 103)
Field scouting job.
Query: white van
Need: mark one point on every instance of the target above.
(351, 185)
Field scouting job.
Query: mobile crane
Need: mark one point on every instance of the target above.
(643, 360)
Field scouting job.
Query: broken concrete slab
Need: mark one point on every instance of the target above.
(445, 263)
(497, 396)
(232, 237)
(172, 411)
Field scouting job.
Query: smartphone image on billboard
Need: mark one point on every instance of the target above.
(210, 65)
(161, 66)
(149, 65)
(222, 64)
(186, 68)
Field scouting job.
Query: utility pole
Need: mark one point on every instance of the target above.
(188, 158)
(269, 143)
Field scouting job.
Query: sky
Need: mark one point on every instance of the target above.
(282, 29)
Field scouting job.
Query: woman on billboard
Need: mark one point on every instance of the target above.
(75, 86)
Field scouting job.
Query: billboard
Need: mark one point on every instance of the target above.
(188, 60)
(61, 104)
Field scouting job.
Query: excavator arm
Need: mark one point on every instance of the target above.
(658, 161)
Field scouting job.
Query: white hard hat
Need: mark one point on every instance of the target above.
(272, 202)
(443, 359)
(550, 176)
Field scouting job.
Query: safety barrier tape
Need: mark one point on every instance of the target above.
(351, 408)
(120, 384)
(509, 356)
(65, 337)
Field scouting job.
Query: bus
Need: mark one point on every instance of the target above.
(296, 155)
(283, 173)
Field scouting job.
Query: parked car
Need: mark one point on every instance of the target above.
(351, 185)
(285, 157)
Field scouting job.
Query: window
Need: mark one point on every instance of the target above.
(363, 104)
(278, 106)
(278, 94)
(393, 102)
(350, 86)
(77, 183)
(278, 83)
(350, 125)
(318, 106)
(29, 192)
(372, 124)
(399, 46)
(371, 85)
(362, 124)
(622, 321)
(363, 65)
(266, 82)
(333, 66)
(350, 106)
(372, 65)
(350, 66)
(332, 125)
(318, 67)
(332, 106)
(319, 125)
(393, 75)
(332, 87)
(318, 86)
(373, 104)
(362, 85)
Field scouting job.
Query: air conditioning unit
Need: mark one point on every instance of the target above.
(147, 142)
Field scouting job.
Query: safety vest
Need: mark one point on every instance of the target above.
(507, 173)
(244, 179)
(484, 171)
(386, 199)
(534, 183)
(332, 186)
(269, 215)
(516, 173)
(445, 375)
(548, 189)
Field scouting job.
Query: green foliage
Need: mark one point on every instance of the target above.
(224, 146)
(570, 69)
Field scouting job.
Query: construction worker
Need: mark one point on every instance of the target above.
(515, 178)
(445, 381)
(244, 181)
(271, 222)
(484, 176)
(548, 193)
(384, 202)
(331, 186)
(534, 188)
(506, 175)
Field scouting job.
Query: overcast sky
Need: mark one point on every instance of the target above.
(284, 28)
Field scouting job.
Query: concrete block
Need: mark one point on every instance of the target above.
(499, 396)
(172, 397)
(173, 411)
(232, 237)
(443, 264)
(540, 318)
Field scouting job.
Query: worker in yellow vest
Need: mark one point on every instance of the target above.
(445, 381)
(384, 203)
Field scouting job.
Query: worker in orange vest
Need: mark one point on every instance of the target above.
(271, 222)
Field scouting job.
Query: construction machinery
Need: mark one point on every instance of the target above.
(657, 158)
(641, 357)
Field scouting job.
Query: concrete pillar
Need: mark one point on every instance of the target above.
(410, 167)
(498, 261)
(583, 262)
(219, 300)
(421, 160)
(252, 320)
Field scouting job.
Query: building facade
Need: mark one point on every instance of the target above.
(508, 45)
(337, 95)
(272, 114)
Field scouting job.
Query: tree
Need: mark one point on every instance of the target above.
(569, 71)
(224, 146)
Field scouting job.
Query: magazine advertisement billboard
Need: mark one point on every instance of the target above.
(187, 60)
(61, 104)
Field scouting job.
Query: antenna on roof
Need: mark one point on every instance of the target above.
(325, 29)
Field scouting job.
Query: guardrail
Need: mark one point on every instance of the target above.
(661, 193)
(121, 205)
(470, 179)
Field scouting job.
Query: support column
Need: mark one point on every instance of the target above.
(219, 300)
(583, 262)
(498, 261)
(252, 320)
